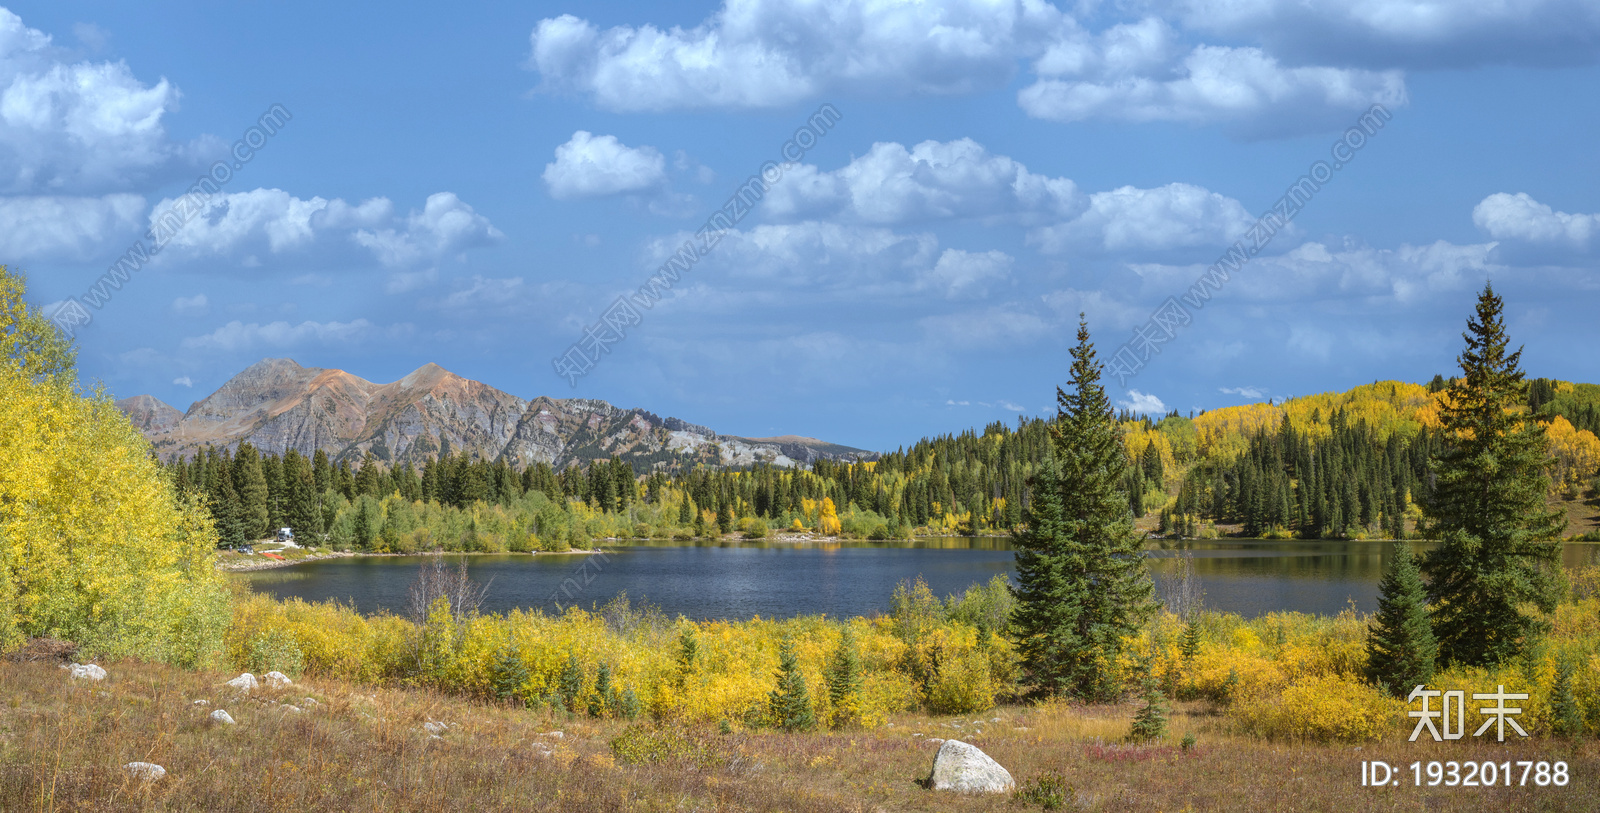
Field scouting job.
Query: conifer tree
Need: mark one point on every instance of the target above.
(844, 679)
(789, 705)
(724, 516)
(304, 510)
(251, 484)
(509, 673)
(1499, 547)
(1150, 722)
(1566, 719)
(1401, 649)
(570, 684)
(685, 510)
(1082, 585)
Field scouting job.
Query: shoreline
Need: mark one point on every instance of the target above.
(274, 564)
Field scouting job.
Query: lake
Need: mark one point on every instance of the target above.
(737, 580)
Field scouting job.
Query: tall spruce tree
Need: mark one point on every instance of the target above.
(1499, 547)
(1401, 649)
(789, 704)
(250, 482)
(1082, 585)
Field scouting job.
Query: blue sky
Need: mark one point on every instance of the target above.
(475, 186)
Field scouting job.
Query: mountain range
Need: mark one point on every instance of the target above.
(277, 405)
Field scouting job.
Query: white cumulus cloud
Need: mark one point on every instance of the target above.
(85, 127)
(1520, 217)
(1143, 403)
(1177, 215)
(768, 53)
(1139, 75)
(61, 227)
(185, 381)
(591, 166)
(245, 226)
(932, 180)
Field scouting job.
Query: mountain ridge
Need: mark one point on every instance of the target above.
(277, 404)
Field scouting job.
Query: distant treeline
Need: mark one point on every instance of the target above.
(1336, 465)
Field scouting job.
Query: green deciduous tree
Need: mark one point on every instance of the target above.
(1498, 546)
(1401, 648)
(1082, 585)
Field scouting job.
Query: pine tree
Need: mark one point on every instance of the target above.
(570, 684)
(251, 484)
(1401, 649)
(1566, 719)
(508, 674)
(844, 679)
(303, 509)
(1151, 721)
(724, 516)
(605, 700)
(685, 510)
(688, 651)
(1498, 544)
(789, 705)
(1082, 584)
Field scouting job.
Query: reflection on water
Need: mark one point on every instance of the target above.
(778, 579)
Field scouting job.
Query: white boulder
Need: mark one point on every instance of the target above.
(222, 717)
(244, 682)
(435, 728)
(86, 671)
(145, 770)
(962, 767)
(277, 680)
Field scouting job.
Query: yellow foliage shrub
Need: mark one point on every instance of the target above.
(1321, 709)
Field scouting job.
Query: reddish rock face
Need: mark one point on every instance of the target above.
(277, 405)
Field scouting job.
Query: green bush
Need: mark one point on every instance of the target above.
(1048, 790)
(276, 651)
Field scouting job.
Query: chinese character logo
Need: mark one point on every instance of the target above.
(1452, 714)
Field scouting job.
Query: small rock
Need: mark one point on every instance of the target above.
(994, 719)
(86, 671)
(918, 734)
(295, 709)
(244, 682)
(222, 717)
(435, 737)
(202, 702)
(557, 734)
(311, 701)
(963, 768)
(933, 741)
(145, 770)
(277, 680)
(435, 728)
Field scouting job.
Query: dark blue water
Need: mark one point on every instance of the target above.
(738, 581)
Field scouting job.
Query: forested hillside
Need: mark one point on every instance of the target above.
(1335, 465)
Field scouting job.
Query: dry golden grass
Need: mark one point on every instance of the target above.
(62, 746)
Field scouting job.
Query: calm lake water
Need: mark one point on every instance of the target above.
(740, 580)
